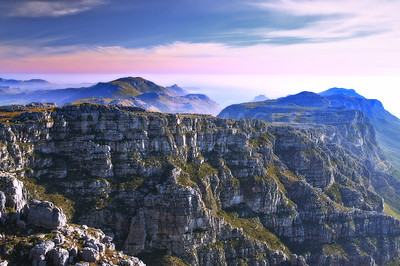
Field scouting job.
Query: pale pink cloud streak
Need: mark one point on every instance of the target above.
(374, 55)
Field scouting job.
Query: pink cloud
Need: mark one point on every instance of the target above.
(363, 56)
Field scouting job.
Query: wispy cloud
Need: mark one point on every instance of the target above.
(329, 7)
(57, 8)
(338, 19)
(347, 38)
(373, 55)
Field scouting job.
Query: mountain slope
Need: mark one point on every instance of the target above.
(337, 91)
(177, 90)
(129, 91)
(387, 126)
(128, 87)
(190, 103)
(160, 102)
(311, 108)
(295, 108)
(120, 88)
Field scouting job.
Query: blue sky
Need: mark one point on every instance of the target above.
(301, 35)
(134, 23)
(346, 43)
(37, 30)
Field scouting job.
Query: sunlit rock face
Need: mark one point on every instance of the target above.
(209, 190)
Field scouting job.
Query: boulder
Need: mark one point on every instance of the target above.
(89, 254)
(45, 214)
(58, 256)
(38, 252)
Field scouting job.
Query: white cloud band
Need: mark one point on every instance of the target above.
(53, 8)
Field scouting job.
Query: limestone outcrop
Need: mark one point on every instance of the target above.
(38, 233)
(203, 190)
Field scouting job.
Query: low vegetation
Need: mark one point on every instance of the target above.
(334, 250)
(253, 228)
(39, 192)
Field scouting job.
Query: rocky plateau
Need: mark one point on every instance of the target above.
(184, 189)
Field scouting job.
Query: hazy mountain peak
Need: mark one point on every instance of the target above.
(134, 80)
(139, 82)
(177, 90)
(127, 87)
(305, 99)
(260, 98)
(337, 91)
(37, 81)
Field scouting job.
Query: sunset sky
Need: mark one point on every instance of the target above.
(243, 48)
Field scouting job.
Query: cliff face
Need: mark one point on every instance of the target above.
(210, 190)
(329, 108)
(37, 233)
(306, 106)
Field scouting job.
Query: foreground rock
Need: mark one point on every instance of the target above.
(26, 235)
(12, 194)
(46, 215)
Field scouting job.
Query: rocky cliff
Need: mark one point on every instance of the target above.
(302, 108)
(37, 233)
(200, 190)
(327, 108)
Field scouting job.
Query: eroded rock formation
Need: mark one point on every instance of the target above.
(204, 190)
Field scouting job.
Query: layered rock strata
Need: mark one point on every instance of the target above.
(204, 190)
(27, 237)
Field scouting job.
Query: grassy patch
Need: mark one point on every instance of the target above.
(263, 140)
(334, 193)
(171, 260)
(160, 258)
(5, 116)
(199, 171)
(391, 197)
(391, 212)
(334, 250)
(132, 184)
(199, 175)
(39, 192)
(280, 176)
(253, 228)
(395, 262)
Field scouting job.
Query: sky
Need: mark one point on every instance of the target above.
(233, 50)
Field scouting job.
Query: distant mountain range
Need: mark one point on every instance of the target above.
(127, 91)
(14, 82)
(13, 86)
